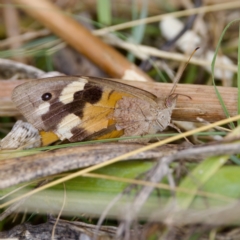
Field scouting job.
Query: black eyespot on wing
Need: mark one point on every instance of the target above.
(46, 96)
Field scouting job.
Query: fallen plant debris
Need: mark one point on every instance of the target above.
(167, 189)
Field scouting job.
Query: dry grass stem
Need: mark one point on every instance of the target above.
(203, 104)
(161, 170)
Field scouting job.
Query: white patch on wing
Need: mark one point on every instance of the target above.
(68, 92)
(42, 108)
(66, 125)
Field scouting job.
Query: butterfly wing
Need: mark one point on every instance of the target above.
(74, 108)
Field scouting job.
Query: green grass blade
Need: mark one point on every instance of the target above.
(213, 66)
(238, 74)
(200, 175)
(138, 31)
(197, 178)
(104, 12)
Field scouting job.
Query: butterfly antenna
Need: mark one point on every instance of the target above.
(181, 72)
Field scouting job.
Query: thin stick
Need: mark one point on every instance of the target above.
(178, 76)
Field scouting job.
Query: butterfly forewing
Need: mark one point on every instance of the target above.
(74, 107)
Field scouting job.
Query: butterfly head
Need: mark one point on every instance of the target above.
(165, 111)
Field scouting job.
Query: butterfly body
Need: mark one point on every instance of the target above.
(77, 108)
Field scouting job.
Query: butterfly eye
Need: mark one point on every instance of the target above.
(46, 96)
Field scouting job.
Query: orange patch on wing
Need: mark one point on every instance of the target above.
(48, 138)
(98, 116)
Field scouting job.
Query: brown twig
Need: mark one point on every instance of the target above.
(203, 104)
(17, 170)
(82, 40)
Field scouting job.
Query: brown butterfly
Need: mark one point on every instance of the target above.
(78, 108)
